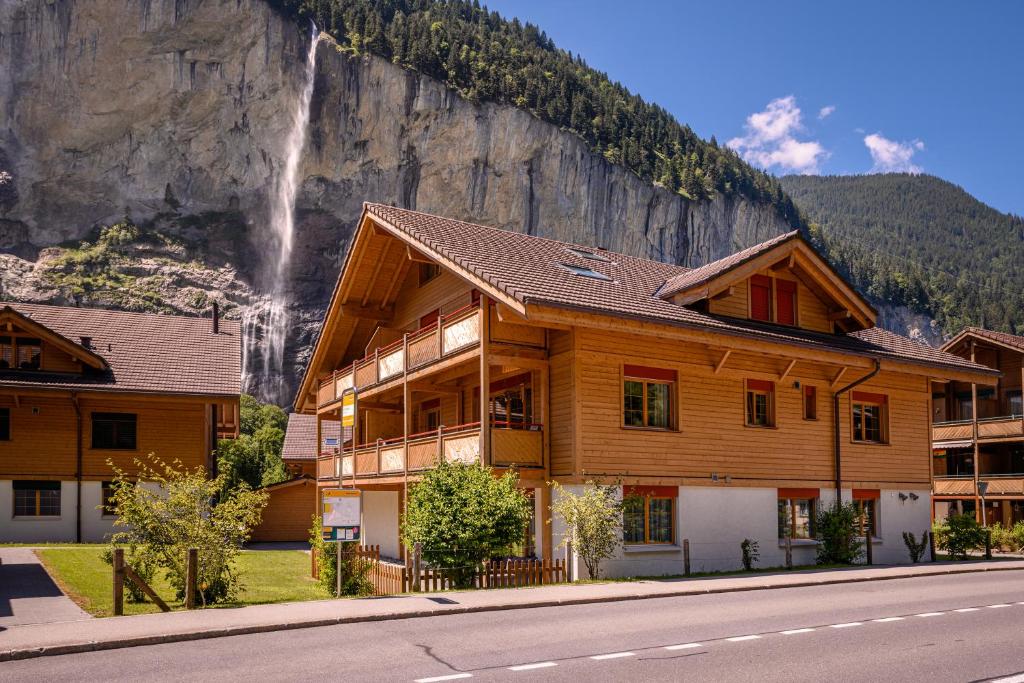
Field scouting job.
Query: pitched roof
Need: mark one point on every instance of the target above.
(145, 352)
(709, 271)
(1006, 339)
(300, 438)
(530, 269)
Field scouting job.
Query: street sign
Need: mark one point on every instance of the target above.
(982, 488)
(348, 409)
(341, 514)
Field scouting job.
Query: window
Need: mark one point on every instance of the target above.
(6, 353)
(869, 417)
(785, 302)
(115, 431)
(761, 298)
(797, 513)
(589, 255)
(430, 415)
(648, 516)
(866, 501)
(647, 399)
(512, 408)
(1013, 400)
(36, 498)
(109, 509)
(5, 424)
(584, 272)
(760, 403)
(30, 352)
(428, 271)
(810, 403)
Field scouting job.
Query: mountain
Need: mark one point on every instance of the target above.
(144, 141)
(918, 243)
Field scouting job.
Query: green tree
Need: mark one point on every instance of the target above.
(959, 535)
(593, 522)
(837, 527)
(254, 458)
(463, 515)
(164, 511)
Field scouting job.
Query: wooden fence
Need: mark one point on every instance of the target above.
(393, 578)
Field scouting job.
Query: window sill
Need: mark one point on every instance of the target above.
(36, 518)
(750, 426)
(652, 548)
(649, 429)
(869, 443)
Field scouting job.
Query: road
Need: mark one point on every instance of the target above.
(951, 628)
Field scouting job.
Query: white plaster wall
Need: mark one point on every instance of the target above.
(380, 521)
(538, 522)
(895, 517)
(33, 530)
(96, 527)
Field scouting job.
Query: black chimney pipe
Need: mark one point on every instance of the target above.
(216, 318)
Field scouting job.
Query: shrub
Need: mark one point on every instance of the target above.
(463, 515)
(837, 528)
(1002, 538)
(355, 571)
(914, 547)
(959, 535)
(751, 553)
(593, 522)
(175, 510)
(1017, 536)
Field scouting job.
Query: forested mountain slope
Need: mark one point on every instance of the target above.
(920, 241)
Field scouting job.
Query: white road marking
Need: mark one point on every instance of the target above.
(847, 625)
(684, 646)
(614, 655)
(929, 614)
(794, 631)
(997, 606)
(739, 639)
(450, 677)
(1019, 678)
(886, 620)
(967, 609)
(528, 667)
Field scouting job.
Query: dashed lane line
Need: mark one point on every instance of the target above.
(929, 614)
(614, 655)
(794, 631)
(1003, 604)
(437, 679)
(530, 667)
(849, 624)
(968, 609)
(886, 620)
(740, 639)
(683, 646)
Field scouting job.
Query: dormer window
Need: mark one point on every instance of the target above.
(772, 300)
(30, 353)
(584, 272)
(589, 255)
(761, 298)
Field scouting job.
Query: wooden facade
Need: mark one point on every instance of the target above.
(560, 379)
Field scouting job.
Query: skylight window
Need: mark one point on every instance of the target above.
(583, 253)
(584, 272)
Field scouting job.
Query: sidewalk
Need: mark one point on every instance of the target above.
(21, 642)
(27, 593)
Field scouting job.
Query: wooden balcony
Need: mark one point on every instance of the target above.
(1005, 428)
(998, 485)
(952, 431)
(451, 334)
(519, 447)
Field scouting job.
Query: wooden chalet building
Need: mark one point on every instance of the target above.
(708, 392)
(978, 432)
(79, 387)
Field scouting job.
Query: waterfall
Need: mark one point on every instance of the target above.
(265, 322)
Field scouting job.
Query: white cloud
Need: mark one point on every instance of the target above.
(770, 140)
(890, 156)
(825, 112)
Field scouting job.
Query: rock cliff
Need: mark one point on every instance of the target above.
(171, 113)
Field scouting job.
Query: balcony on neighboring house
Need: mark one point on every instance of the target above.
(1005, 428)
(1000, 464)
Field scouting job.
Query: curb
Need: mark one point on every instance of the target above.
(138, 641)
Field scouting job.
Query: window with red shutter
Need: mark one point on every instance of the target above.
(761, 298)
(785, 302)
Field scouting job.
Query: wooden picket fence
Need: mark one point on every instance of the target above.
(393, 578)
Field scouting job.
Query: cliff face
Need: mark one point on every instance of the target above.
(174, 112)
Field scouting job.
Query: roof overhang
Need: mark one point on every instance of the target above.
(9, 317)
(970, 333)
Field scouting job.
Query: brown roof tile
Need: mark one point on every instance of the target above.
(300, 436)
(1014, 340)
(532, 270)
(147, 353)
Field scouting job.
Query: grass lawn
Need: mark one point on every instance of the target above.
(266, 576)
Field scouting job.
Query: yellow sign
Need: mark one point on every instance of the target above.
(342, 510)
(348, 410)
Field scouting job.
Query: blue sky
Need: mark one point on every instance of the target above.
(822, 87)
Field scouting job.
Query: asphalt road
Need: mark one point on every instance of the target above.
(952, 628)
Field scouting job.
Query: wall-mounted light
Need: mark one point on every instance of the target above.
(796, 385)
(914, 496)
(903, 497)
(714, 476)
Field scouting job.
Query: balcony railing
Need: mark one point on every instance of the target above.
(522, 447)
(1009, 426)
(998, 485)
(450, 334)
(952, 431)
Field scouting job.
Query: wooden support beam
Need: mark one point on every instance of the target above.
(789, 369)
(381, 406)
(485, 382)
(368, 312)
(721, 361)
(376, 273)
(841, 314)
(415, 256)
(727, 292)
(524, 362)
(427, 387)
(786, 263)
(839, 375)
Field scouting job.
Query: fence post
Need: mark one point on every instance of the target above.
(118, 581)
(988, 544)
(870, 549)
(417, 550)
(568, 562)
(931, 545)
(789, 552)
(191, 569)
(686, 556)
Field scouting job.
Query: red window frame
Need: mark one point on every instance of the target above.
(761, 298)
(785, 302)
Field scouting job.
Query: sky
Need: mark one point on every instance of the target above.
(822, 87)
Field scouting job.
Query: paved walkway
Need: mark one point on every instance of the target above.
(28, 595)
(147, 629)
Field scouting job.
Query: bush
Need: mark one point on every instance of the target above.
(355, 570)
(751, 554)
(959, 535)
(1017, 536)
(1002, 538)
(463, 515)
(837, 528)
(914, 547)
(169, 511)
(593, 522)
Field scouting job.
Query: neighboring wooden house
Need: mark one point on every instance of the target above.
(707, 392)
(81, 387)
(978, 432)
(299, 451)
(288, 515)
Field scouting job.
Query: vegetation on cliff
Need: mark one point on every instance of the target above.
(488, 58)
(920, 241)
